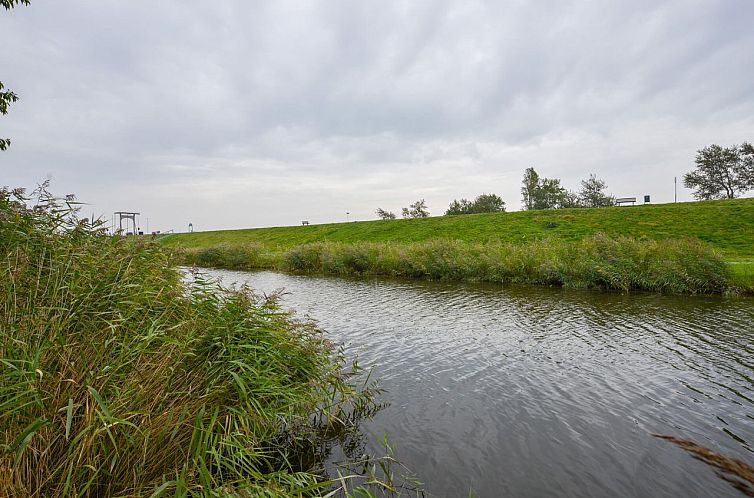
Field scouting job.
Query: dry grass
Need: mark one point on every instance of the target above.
(737, 472)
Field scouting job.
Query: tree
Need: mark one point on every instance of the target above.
(592, 193)
(570, 199)
(385, 215)
(549, 194)
(544, 193)
(9, 4)
(7, 97)
(529, 188)
(459, 207)
(485, 203)
(416, 210)
(722, 172)
(489, 203)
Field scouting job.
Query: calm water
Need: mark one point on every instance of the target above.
(542, 392)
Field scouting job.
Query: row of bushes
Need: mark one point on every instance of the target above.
(622, 263)
(119, 379)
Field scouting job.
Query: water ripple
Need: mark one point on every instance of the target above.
(541, 392)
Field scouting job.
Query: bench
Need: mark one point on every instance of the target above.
(625, 200)
(304, 222)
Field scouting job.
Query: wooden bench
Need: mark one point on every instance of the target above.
(625, 200)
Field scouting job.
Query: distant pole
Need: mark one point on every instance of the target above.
(147, 225)
(348, 216)
(675, 189)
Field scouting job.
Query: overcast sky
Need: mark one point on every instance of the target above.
(241, 113)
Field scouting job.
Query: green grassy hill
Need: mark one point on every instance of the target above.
(727, 225)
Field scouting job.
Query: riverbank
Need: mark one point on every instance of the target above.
(695, 247)
(683, 266)
(119, 378)
(727, 225)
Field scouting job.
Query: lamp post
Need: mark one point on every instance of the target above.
(675, 189)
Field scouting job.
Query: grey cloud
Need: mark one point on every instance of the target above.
(327, 99)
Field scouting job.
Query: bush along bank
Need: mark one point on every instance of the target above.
(685, 266)
(117, 378)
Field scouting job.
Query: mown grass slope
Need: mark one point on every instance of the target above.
(727, 225)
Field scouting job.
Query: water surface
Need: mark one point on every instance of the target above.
(543, 392)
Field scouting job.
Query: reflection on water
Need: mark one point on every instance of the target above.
(542, 392)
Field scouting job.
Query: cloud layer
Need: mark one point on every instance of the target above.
(240, 113)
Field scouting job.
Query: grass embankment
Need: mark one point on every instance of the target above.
(727, 225)
(118, 379)
(675, 248)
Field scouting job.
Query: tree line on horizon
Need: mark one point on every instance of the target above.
(720, 173)
(538, 193)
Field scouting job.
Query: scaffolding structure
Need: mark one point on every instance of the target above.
(128, 216)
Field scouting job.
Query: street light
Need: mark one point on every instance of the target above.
(675, 189)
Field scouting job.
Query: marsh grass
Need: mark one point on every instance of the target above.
(742, 275)
(598, 262)
(119, 379)
(231, 257)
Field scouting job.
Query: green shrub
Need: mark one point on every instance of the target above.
(305, 258)
(230, 257)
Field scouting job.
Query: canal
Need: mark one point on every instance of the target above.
(531, 391)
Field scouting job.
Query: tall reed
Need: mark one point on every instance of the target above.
(118, 379)
(674, 266)
(681, 266)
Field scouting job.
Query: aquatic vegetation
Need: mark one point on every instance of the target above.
(227, 256)
(600, 262)
(742, 275)
(117, 378)
(733, 470)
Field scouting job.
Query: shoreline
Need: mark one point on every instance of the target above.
(624, 264)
